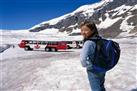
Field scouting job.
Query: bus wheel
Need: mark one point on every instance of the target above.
(78, 47)
(47, 49)
(68, 47)
(27, 48)
(53, 49)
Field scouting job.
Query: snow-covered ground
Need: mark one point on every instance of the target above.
(61, 71)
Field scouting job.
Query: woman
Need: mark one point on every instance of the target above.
(96, 79)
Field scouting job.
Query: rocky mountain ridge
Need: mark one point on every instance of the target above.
(112, 18)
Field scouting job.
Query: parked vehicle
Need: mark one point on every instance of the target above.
(74, 44)
(42, 45)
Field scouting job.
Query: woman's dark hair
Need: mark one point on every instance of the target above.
(91, 26)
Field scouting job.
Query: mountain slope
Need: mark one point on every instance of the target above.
(112, 18)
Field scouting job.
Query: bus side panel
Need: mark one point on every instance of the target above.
(22, 45)
(62, 45)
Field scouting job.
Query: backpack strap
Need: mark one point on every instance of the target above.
(98, 41)
(99, 44)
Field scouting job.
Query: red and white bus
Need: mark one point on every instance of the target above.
(74, 44)
(43, 45)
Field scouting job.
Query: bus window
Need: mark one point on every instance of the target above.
(30, 42)
(38, 42)
(34, 42)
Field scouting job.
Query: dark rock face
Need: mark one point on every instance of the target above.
(72, 21)
(112, 31)
(132, 20)
(134, 30)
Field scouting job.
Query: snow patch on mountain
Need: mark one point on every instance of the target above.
(108, 21)
(89, 7)
(52, 21)
(50, 31)
(124, 25)
(108, 0)
(135, 7)
(122, 9)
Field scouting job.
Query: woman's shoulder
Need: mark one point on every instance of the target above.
(89, 42)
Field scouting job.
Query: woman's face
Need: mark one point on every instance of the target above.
(86, 32)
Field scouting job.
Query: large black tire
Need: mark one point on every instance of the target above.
(27, 48)
(53, 49)
(47, 49)
(78, 46)
(68, 47)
